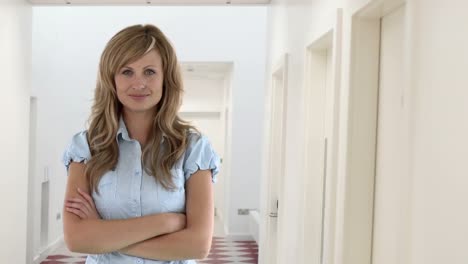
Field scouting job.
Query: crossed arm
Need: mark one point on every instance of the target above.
(166, 236)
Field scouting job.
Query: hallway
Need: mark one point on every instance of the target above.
(341, 125)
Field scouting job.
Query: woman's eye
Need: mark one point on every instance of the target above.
(149, 72)
(129, 72)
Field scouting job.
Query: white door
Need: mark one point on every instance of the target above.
(275, 173)
(390, 162)
(319, 115)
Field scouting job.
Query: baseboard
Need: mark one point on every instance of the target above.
(234, 236)
(221, 218)
(240, 237)
(46, 252)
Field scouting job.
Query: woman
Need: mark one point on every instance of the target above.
(140, 179)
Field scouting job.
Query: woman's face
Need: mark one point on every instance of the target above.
(139, 84)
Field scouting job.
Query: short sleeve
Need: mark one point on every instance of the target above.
(77, 150)
(200, 155)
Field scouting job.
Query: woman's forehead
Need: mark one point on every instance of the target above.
(151, 58)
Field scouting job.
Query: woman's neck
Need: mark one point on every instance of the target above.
(138, 125)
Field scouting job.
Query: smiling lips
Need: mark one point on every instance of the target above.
(138, 97)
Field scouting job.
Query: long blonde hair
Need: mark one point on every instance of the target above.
(127, 46)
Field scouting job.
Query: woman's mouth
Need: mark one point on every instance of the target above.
(138, 97)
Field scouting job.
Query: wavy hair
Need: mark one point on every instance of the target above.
(158, 158)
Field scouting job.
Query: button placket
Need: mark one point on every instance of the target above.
(137, 192)
(133, 197)
(137, 189)
(137, 182)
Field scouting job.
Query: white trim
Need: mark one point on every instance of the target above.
(328, 40)
(46, 252)
(280, 67)
(357, 164)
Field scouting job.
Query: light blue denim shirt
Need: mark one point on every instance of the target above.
(129, 192)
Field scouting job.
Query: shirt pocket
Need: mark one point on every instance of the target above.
(107, 191)
(174, 200)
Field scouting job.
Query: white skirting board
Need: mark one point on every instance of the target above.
(254, 225)
(46, 252)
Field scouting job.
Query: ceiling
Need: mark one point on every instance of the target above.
(149, 2)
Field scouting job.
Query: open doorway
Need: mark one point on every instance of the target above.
(206, 104)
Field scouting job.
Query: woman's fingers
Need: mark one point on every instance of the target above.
(87, 198)
(85, 204)
(77, 212)
(78, 204)
(88, 206)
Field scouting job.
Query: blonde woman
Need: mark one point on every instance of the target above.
(140, 179)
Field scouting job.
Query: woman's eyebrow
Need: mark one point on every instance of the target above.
(143, 68)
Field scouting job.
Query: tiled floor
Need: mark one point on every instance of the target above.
(223, 250)
(230, 251)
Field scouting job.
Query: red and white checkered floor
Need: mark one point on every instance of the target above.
(230, 251)
(223, 250)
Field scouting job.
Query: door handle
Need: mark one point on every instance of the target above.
(273, 214)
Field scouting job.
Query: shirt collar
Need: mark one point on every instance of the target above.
(124, 132)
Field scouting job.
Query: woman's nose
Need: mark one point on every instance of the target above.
(139, 83)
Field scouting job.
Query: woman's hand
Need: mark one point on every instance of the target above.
(83, 207)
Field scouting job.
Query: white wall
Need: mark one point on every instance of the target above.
(203, 94)
(438, 59)
(439, 140)
(292, 26)
(68, 42)
(15, 57)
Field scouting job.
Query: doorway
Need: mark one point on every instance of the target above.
(322, 85)
(377, 138)
(390, 172)
(275, 174)
(206, 105)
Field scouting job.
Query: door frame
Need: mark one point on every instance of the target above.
(31, 232)
(280, 67)
(358, 157)
(329, 39)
